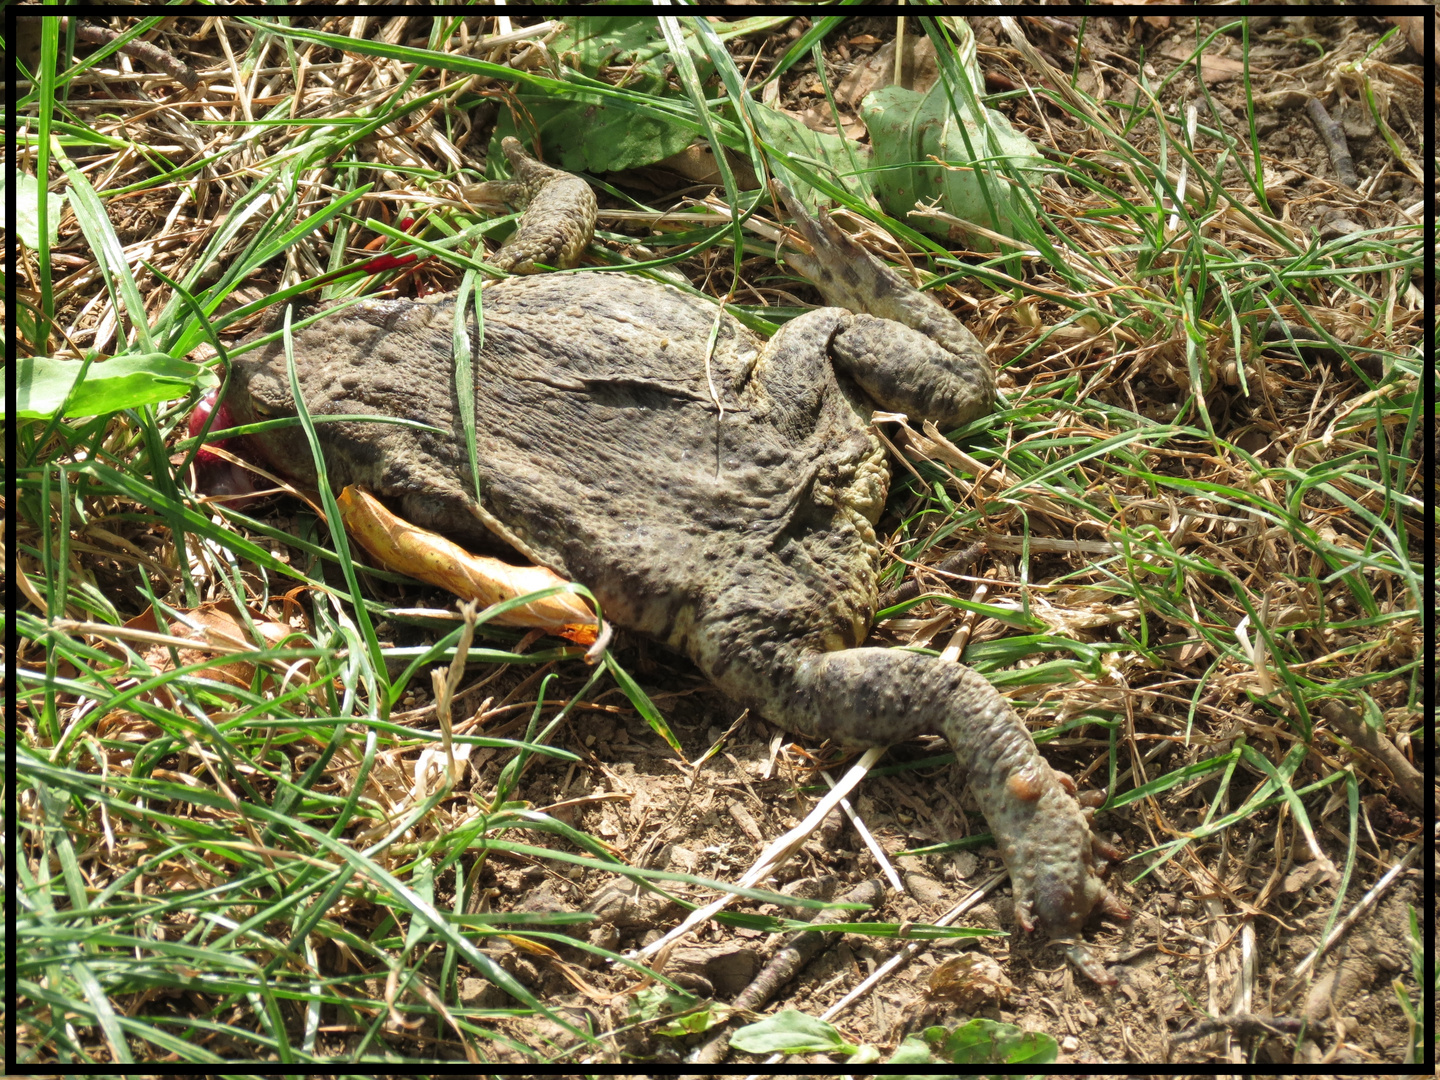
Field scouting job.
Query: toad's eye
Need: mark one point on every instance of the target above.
(261, 410)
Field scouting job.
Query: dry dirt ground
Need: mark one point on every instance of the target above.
(1225, 928)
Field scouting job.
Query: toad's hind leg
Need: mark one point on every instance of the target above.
(873, 696)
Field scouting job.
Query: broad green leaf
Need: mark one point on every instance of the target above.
(839, 159)
(607, 133)
(790, 1032)
(985, 1042)
(909, 128)
(124, 382)
(27, 210)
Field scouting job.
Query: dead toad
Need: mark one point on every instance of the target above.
(722, 504)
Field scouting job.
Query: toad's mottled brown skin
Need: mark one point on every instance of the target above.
(723, 504)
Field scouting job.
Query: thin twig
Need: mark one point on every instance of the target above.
(144, 51)
(1245, 1025)
(797, 950)
(1408, 780)
(1368, 901)
(1334, 139)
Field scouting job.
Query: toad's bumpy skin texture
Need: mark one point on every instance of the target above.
(733, 523)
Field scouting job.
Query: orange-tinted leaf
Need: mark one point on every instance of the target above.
(431, 558)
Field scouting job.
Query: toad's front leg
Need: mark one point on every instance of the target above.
(903, 347)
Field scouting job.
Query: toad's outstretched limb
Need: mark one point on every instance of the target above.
(869, 696)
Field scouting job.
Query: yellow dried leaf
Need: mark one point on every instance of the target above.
(429, 557)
